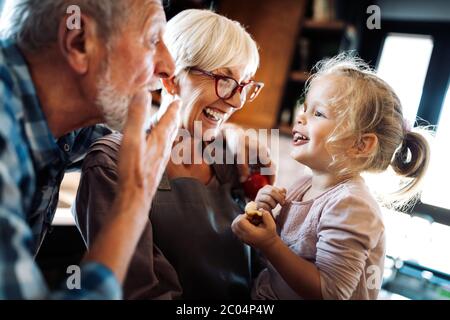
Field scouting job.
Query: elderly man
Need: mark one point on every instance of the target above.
(56, 83)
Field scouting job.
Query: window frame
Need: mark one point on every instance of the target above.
(435, 86)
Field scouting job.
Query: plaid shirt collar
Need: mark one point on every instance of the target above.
(43, 145)
(50, 157)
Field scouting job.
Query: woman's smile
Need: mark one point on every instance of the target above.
(213, 114)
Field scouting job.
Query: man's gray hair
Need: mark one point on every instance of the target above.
(36, 22)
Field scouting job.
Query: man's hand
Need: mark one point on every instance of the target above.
(143, 158)
(269, 196)
(142, 161)
(262, 236)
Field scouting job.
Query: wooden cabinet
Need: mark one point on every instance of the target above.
(291, 40)
(275, 26)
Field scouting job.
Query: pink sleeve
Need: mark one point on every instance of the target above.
(348, 229)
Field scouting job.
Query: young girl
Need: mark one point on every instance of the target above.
(328, 241)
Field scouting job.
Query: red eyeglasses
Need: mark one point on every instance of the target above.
(226, 87)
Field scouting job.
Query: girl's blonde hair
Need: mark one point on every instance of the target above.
(207, 40)
(367, 104)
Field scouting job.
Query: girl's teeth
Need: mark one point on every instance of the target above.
(298, 136)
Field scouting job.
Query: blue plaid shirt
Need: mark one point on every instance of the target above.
(32, 165)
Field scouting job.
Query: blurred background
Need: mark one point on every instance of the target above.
(407, 41)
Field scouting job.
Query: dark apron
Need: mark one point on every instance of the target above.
(192, 227)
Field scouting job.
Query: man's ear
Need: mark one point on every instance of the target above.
(170, 85)
(364, 146)
(79, 44)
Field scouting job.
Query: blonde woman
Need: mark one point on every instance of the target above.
(188, 249)
(331, 239)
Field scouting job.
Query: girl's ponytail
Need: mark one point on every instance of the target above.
(411, 161)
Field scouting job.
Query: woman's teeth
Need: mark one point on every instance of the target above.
(213, 115)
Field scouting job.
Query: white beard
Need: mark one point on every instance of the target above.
(113, 105)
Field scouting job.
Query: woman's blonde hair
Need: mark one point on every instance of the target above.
(367, 104)
(207, 40)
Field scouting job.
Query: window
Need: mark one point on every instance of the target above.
(413, 238)
(406, 54)
(412, 62)
(435, 190)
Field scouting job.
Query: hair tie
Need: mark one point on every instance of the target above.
(406, 126)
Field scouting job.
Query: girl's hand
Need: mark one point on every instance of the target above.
(269, 196)
(261, 236)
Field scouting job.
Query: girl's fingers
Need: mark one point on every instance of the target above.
(240, 226)
(266, 189)
(273, 194)
(268, 200)
(263, 205)
(267, 218)
(279, 194)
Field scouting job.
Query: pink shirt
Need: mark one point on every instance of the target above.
(341, 232)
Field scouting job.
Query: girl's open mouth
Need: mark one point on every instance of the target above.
(299, 139)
